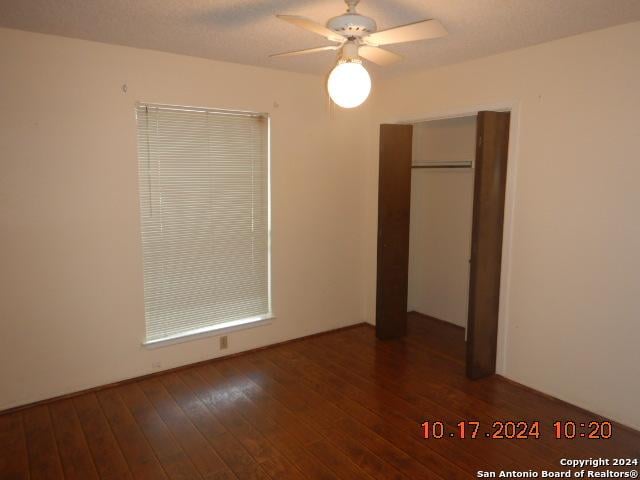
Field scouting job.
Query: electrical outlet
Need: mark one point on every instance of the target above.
(156, 365)
(224, 342)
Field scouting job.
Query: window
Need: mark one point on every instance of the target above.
(204, 203)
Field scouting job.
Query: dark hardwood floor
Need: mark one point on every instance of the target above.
(341, 405)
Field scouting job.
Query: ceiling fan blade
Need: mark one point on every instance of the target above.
(423, 30)
(304, 52)
(379, 56)
(312, 26)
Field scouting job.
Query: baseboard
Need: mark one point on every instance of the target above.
(175, 369)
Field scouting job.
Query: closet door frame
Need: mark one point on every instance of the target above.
(509, 203)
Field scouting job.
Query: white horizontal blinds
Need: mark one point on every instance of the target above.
(204, 207)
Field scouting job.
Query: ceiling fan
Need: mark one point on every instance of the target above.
(356, 36)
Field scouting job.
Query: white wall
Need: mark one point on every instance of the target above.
(570, 311)
(440, 227)
(71, 291)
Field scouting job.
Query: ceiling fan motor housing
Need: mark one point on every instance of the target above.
(352, 25)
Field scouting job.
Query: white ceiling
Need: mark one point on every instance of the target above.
(246, 31)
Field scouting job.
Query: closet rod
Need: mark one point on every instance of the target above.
(445, 165)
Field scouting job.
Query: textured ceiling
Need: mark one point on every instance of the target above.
(246, 31)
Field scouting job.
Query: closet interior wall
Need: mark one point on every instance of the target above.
(441, 211)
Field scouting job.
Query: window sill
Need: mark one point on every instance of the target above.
(213, 331)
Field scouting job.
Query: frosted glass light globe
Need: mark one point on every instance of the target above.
(349, 84)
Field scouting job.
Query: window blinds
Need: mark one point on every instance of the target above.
(204, 202)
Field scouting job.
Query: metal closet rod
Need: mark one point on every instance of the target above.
(444, 165)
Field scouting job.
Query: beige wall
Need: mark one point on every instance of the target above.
(71, 308)
(440, 228)
(570, 318)
(71, 297)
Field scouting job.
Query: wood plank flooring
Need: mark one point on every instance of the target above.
(337, 406)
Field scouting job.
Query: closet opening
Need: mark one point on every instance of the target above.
(441, 204)
(441, 210)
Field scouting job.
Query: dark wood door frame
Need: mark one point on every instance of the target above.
(492, 140)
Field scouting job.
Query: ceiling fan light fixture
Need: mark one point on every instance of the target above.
(357, 36)
(349, 83)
